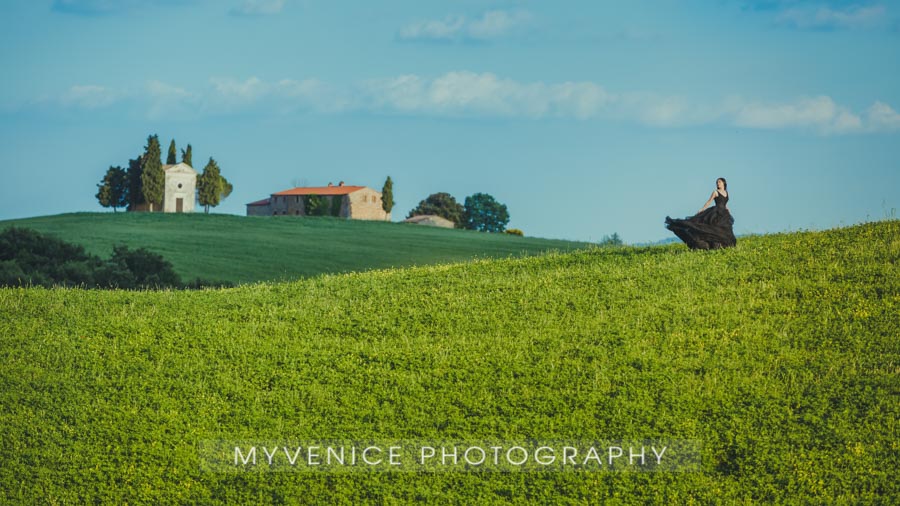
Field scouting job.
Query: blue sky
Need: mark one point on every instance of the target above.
(584, 118)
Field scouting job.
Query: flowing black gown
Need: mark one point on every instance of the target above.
(709, 229)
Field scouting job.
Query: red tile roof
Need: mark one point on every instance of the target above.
(321, 190)
(263, 202)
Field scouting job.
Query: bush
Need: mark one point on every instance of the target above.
(28, 257)
(32, 258)
(147, 269)
(515, 231)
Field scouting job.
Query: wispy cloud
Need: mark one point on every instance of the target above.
(831, 18)
(236, 92)
(257, 7)
(490, 25)
(470, 94)
(882, 117)
(465, 94)
(820, 113)
(90, 96)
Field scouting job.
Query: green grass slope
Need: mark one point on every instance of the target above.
(780, 356)
(241, 249)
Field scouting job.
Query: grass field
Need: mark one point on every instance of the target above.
(780, 356)
(240, 249)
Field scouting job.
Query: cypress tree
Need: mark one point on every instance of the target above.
(135, 184)
(153, 178)
(186, 155)
(387, 195)
(210, 185)
(172, 159)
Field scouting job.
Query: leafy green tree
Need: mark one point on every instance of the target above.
(172, 159)
(387, 195)
(153, 178)
(484, 213)
(440, 204)
(227, 188)
(212, 187)
(611, 240)
(316, 205)
(135, 188)
(186, 155)
(113, 189)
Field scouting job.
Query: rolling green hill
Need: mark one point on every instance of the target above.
(241, 249)
(780, 357)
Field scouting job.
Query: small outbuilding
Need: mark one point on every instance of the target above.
(430, 220)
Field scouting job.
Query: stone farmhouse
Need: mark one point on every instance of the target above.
(354, 202)
(180, 189)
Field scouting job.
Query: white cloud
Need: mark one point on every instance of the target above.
(159, 89)
(494, 24)
(881, 116)
(469, 94)
(827, 18)
(90, 96)
(258, 7)
(484, 95)
(820, 113)
(490, 25)
(445, 29)
(231, 91)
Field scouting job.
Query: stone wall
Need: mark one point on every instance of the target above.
(259, 210)
(365, 204)
(287, 205)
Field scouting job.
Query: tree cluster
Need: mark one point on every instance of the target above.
(143, 182)
(29, 258)
(481, 211)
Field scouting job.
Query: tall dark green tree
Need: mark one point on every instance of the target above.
(441, 204)
(135, 188)
(113, 189)
(153, 178)
(186, 155)
(387, 195)
(212, 187)
(172, 159)
(484, 213)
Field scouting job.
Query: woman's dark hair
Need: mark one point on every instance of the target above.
(724, 183)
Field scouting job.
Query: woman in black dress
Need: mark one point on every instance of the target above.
(709, 228)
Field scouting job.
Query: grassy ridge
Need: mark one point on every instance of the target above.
(780, 356)
(242, 249)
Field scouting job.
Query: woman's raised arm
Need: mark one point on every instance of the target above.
(711, 198)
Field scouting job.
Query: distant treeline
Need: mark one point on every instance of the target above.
(29, 258)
